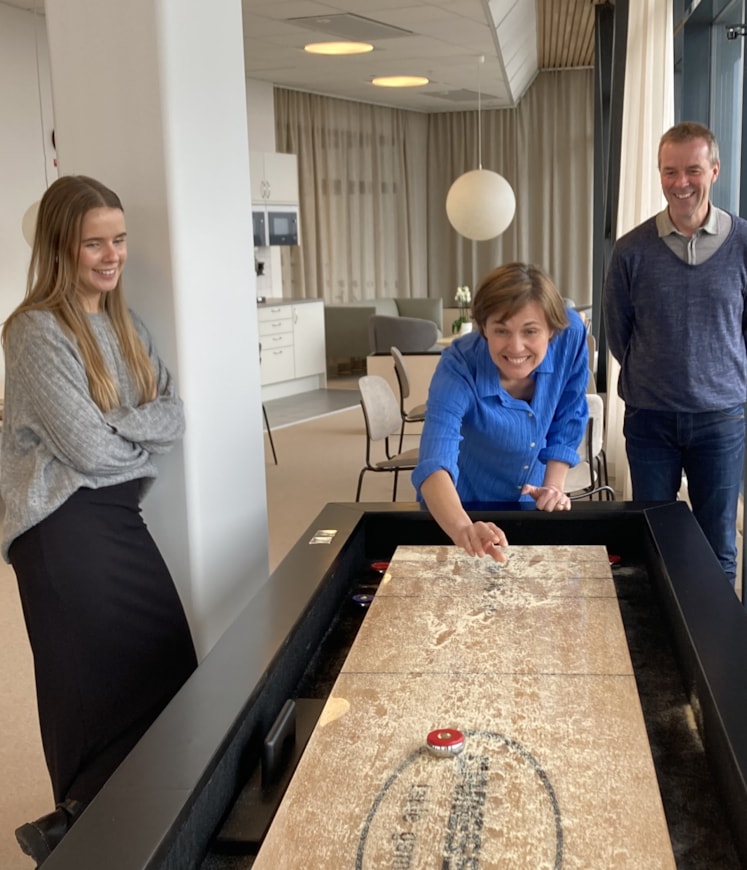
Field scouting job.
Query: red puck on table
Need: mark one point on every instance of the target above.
(379, 566)
(445, 741)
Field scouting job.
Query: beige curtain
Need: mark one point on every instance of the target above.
(362, 198)
(648, 111)
(374, 183)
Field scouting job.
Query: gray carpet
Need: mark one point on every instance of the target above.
(308, 406)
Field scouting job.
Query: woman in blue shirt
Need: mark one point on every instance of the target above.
(506, 407)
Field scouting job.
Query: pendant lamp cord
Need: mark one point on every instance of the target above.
(36, 19)
(481, 60)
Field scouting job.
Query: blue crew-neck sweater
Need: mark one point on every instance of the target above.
(679, 331)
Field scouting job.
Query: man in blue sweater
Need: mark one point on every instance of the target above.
(674, 310)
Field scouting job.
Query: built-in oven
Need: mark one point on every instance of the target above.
(275, 225)
(282, 225)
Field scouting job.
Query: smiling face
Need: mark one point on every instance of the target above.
(686, 175)
(519, 343)
(102, 253)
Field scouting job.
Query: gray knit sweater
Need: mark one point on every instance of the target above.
(679, 331)
(55, 439)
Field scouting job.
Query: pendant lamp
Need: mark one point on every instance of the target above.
(480, 204)
(28, 223)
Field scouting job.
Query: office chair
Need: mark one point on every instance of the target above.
(383, 420)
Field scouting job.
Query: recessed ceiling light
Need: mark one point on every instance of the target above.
(338, 47)
(399, 81)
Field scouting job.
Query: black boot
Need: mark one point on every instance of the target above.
(38, 839)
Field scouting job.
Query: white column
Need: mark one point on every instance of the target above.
(149, 97)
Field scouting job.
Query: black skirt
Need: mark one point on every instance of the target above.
(110, 640)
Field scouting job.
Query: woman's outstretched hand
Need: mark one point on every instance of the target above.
(482, 539)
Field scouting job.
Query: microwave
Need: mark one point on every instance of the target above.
(260, 230)
(275, 225)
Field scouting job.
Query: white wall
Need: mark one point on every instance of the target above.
(260, 115)
(170, 136)
(26, 152)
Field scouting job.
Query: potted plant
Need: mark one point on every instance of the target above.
(463, 323)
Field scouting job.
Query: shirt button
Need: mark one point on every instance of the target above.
(531, 414)
(531, 443)
(526, 468)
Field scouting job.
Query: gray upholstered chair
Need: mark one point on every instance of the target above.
(409, 334)
(382, 417)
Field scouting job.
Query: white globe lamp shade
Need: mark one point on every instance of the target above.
(28, 223)
(480, 204)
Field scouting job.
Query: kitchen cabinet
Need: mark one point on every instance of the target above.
(308, 339)
(274, 178)
(292, 337)
(276, 339)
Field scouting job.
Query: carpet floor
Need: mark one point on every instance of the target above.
(319, 462)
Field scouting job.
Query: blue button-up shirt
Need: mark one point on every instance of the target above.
(491, 443)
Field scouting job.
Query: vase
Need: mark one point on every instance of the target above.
(465, 327)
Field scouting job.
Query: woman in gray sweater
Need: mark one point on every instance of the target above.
(88, 403)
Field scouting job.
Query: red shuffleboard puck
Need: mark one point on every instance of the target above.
(445, 741)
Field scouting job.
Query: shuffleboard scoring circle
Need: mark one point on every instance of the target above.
(495, 800)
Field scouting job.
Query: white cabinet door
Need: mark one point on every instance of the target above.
(274, 178)
(277, 365)
(308, 339)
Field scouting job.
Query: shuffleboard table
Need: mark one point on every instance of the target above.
(169, 803)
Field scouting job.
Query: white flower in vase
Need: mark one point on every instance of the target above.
(463, 323)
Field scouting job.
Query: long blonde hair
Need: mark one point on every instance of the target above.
(52, 286)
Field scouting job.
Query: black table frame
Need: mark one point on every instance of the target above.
(163, 805)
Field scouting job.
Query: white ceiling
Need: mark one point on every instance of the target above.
(441, 39)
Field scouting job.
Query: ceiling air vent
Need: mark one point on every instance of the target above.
(461, 96)
(350, 27)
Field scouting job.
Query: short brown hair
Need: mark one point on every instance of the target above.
(510, 287)
(686, 131)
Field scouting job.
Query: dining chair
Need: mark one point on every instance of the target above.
(590, 477)
(269, 433)
(383, 420)
(416, 414)
(267, 422)
(591, 345)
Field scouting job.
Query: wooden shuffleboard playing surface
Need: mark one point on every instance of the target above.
(529, 661)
